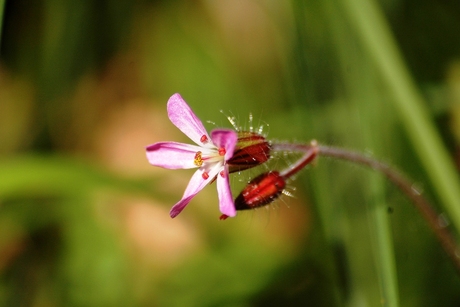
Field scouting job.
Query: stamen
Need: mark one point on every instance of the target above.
(222, 151)
(222, 174)
(205, 175)
(223, 217)
(204, 139)
(198, 161)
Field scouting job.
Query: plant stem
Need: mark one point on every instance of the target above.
(310, 154)
(427, 211)
(375, 35)
(423, 206)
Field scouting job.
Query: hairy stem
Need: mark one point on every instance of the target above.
(436, 223)
(310, 154)
(375, 35)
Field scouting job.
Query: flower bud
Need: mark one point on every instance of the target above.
(252, 149)
(261, 191)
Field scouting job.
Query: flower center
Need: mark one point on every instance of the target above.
(198, 159)
(209, 156)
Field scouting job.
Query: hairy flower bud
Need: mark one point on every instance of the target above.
(252, 149)
(261, 191)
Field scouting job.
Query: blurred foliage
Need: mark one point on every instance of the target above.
(84, 218)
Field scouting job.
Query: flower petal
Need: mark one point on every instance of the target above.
(183, 118)
(172, 155)
(226, 204)
(177, 208)
(196, 184)
(225, 138)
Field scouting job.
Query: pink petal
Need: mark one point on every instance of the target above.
(226, 204)
(183, 118)
(172, 155)
(177, 208)
(196, 184)
(225, 138)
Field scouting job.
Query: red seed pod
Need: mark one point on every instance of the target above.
(261, 191)
(252, 149)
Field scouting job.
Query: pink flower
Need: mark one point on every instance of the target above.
(210, 155)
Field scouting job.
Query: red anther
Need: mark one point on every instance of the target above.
(223, 217)
(222, 151)
(261, 191)
(222, 174)
(204, 139)
(205, 175)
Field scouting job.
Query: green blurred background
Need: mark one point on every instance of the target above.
(83, 89)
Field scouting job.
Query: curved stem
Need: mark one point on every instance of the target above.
(373, 31)
(311, 151)
(427, 211)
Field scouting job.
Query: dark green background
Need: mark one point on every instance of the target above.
(70, 71)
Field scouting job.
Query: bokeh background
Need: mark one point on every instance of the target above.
(83, 89)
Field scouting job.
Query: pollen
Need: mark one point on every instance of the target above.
(204, 139)
(198, 161)
(222, 151)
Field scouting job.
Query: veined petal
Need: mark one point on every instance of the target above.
(172, 155)
(183, 118)
(226, 204)
(225, 138)
(195, 185)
